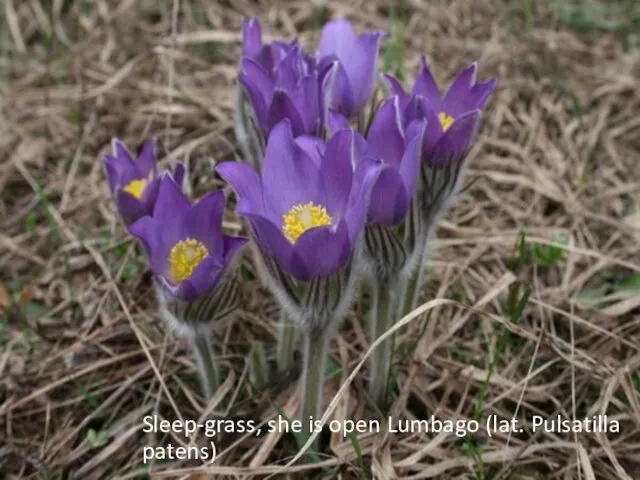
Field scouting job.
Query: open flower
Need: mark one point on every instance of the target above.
(354, 72)
(134, 183)
(452, 118)
(308, 209)
(187, 249)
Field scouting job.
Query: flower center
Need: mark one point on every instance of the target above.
(301, 218)
(136, 187)
(184, 258)
(445, 120)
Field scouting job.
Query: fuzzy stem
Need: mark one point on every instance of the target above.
(209, 374)
(381, 359)
(411, 289)
(287, 336)
(315, 346)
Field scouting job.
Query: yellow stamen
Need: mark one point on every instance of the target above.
(136, 187)
(445, 120)
(184, 258)
(301, 218)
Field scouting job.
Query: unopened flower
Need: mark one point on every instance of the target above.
(400, 149)
(355, 57)
(134, 183)
(280, 80)
(307, 210)
(283, 85)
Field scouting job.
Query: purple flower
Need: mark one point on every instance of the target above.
(269, 55)
(187, 249)
(134, 183)
(400, 150)
(309, 207)
(282, 81)
(452, 118)
(291, 91)
(354, 60)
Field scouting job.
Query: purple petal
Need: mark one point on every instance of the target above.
(112, 171)
(282, 107)
(337, 170)
(129, 207)
(255, 74)
(150, 194)
(168, 211)
(289, 176)
(307, 97)
(361, 68)
(426, 85)
(364, 178)
(455, 142)
(121, 151)
(256, 98)
(202, 281)
(358, 55)
(394, 85)
(337, 93)
(245, 181)
(410, 166)
(322, 250)
(386, 135)
(146, 230)
(146, 163)
(389, 199)
(179, 174)
(270, 238)
(203, 222)
(460, 87)
(251, 37)
(336, 122)
(337, 38)
(232, 245)
(312, 146)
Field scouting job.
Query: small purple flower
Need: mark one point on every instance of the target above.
(269, 55)
(452, 118)
(134, 183)
(400, 150)
(291, 90)
(308, 209)
(354, 72)
(187, 249)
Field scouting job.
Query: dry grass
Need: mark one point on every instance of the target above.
(82, 350)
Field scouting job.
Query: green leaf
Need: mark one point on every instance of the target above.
(97, 439)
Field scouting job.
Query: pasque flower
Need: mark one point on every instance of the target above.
(353, 58)
(308, 208)
(187, 249)
(134, 183)
(452, 118)
(400, 149)
(282, 81)
(307, 211)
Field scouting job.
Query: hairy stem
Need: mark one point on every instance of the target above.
(209, 374)
(287, 336)
(411, 290)
(315, 346)
(382, 320)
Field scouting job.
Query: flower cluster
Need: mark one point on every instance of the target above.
(335, 186)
